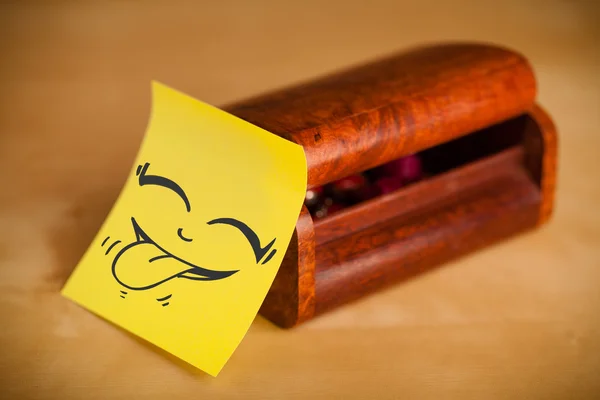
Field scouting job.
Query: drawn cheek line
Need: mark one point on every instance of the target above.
(180, 234)
(165, 298)
(159, 257)
(111, 247)
(269, 256)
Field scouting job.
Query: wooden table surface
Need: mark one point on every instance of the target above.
(519, 320)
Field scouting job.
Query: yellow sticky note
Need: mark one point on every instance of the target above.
(193, 243)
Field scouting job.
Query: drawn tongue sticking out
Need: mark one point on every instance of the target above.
(144, 265)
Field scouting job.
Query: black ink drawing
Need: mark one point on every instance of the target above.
(188, 270)
(259, 251)
(161, 181)
(165, 300)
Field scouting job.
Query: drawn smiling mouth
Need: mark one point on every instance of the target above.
(144, 264)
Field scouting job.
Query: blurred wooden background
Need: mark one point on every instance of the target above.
(520, 320)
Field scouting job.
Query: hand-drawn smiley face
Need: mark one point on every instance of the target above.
(146, 253)
(178, 261)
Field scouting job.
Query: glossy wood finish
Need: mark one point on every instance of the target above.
(368, 115)
(469, 108)
(414, 198)
(291, 299)
(541, 144)
(428, 224)
(516, 321)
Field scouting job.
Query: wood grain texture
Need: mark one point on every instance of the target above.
(434, 222)
(365, 116)
(519, 320)
(541, 141)
(463, 105)
(291, 298)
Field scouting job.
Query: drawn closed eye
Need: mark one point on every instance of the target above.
(251, 236)
(180, 234)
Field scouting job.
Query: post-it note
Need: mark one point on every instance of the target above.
(193, 243)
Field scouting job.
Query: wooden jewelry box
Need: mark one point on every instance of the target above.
(486, 149)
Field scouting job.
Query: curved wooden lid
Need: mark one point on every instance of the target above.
(367, 115)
